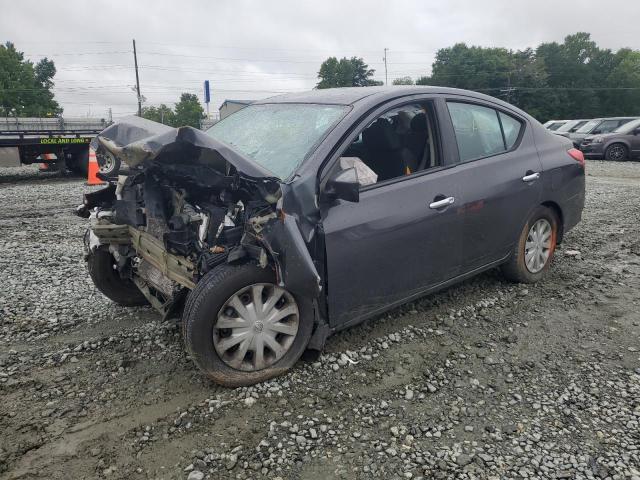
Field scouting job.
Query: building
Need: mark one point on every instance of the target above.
(232, 106)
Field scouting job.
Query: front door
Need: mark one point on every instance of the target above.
(392, 245)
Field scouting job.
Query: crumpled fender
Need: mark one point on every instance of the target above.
(296, 270)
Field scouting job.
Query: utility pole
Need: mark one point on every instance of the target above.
(386, 77)
(135, 61)
(507, 91)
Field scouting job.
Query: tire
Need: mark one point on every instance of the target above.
(516, 269)
(109, 164)
(204, 305)
(106, 279)
(616, 152)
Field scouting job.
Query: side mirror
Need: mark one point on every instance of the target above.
(343, 185)
(636, 131)
(597, 131)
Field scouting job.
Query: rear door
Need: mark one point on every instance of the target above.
(500, 175)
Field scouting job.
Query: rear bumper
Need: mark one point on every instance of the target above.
(573, 207)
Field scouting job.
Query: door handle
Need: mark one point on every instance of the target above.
(442, 203)
(531, 177)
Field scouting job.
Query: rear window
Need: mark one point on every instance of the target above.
(482, 131)
(511, 128)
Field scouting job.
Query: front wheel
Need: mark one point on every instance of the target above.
(241, 328)
(105, 276)
(616, 152)
(534, 250)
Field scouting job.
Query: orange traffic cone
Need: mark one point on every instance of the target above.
(44, 167)
(94, 168)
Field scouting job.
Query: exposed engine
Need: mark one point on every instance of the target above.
(167, 227)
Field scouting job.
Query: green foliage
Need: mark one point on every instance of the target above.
(25, 88)
(573, 79)
(403, 81)
(188, 111)
(346, 72)
(161, 114)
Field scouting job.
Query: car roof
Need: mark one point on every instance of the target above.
(616, 118)
(373, 95)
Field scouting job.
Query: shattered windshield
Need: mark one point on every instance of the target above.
(277, 136)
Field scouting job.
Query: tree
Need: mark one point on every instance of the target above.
(572, 79)
(346, 72)
(403, 81)
(625, 76)
(161, 114)
(25, 88)
(189, 111)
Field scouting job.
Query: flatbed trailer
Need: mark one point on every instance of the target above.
(56, 143)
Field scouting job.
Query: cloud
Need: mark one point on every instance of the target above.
(253, 49)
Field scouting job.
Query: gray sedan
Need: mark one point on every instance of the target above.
(303, 214)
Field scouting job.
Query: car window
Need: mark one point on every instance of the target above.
(511, 128)
(587, 127)
(577, 126)
(398, 143)
(555, 126)
(478, 130)
(277, 136)
(628, 127)
(608, 126)
(571, 126)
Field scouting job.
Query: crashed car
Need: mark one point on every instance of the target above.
(306, 213)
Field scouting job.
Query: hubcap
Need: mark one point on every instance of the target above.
(256, 327)
(108, 163)
(537, 249)
(616, 152)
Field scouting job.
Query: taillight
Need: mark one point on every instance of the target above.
(577, 155)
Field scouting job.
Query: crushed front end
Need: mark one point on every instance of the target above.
(187, 206)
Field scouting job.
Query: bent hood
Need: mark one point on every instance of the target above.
(136, 141)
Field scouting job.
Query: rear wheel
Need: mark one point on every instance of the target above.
(616, 152)
(534, 250)
(105, 276)
(241, 328)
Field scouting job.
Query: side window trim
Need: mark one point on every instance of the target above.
(504, 137)
(497, 109)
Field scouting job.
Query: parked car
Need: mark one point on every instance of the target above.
(303, 214)
(621, 144)
(554, 124)
(597, 126)
(570, 127)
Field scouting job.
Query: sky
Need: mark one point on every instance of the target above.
(251, 49)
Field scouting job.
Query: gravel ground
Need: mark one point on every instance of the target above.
(484, 380)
